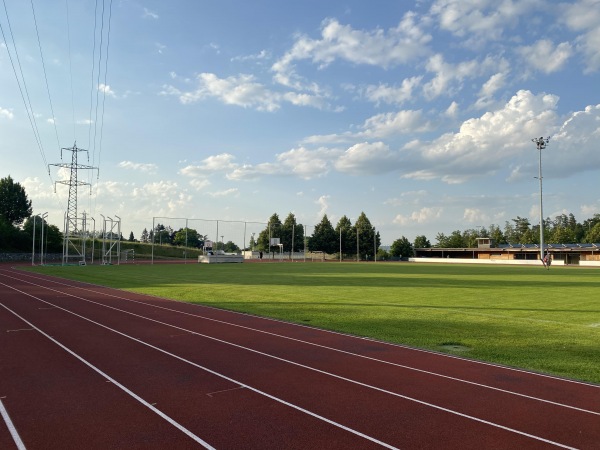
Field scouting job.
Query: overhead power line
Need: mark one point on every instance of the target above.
(21, 80)
(45, 75)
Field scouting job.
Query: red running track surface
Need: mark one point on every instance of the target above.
(83, 366)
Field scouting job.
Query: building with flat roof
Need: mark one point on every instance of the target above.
(487, 252)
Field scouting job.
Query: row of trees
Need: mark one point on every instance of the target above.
(350, 238)
(17, 224)
(362, 238)
(564, 229)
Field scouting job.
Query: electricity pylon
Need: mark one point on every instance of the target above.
(74, 235)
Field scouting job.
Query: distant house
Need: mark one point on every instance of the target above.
(487, 252)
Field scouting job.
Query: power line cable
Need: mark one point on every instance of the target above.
(45, 75)
(92, 78)
(105, 81)
(71, 70)
(26, 102)
(98, 82)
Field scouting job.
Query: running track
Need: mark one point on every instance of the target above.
(84, 366)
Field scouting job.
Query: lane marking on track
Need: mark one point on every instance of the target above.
(115, 382)
(272, 397)
(11, 427)
(19, 329)
(385, 391)
(402, 366)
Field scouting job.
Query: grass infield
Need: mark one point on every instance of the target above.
(527, 317)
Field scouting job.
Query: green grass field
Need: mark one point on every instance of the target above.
(547, 321)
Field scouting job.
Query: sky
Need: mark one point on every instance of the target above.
(419, 114)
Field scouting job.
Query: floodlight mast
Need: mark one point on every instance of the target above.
(541, 144)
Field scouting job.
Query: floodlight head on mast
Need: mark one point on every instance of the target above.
(541, 142)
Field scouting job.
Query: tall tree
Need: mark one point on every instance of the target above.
(144, 237)
(53, 238)
(272, 230)
(497, 235)
(324, 238)
(368, 239)
(292, 232)
(187, 237)
(422, 242)
(402, 248)
(14, 204)
(345, 229)
(131, 237)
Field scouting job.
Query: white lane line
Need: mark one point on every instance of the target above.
(206, 369)
(115, 382)
(402, 366)
(11, 427)
(52, 279)
(349, 380)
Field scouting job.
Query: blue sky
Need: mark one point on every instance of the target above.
(420, 114)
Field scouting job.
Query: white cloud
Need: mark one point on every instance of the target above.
(389, 124)
(380, 126)
(377, 47)
(199, 184)
(142, 167)
(106, 90)
(225, 193)
(480, 21)
(475, 215)
(262, 55)
(149, 14)
(254, 172)
(6, 113)
(216, 163)
(323, 203)
(424, 215)
(449, 77)
(452, 110)
(367, 158)
(306, 163)
(575, 146)
(393, 94)
(486, 144)
(543, 56)
(584, 16)
(243, 90)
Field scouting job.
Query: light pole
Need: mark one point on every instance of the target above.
(33, 247)
(374, 245)
(43, 217)
(253, 243)
(357, 249)
(541, 144)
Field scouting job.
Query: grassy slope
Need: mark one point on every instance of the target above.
(521, 316)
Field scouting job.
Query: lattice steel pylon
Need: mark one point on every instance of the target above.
(74, 235)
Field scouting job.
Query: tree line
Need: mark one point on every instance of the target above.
(17, 224)
(349, 240)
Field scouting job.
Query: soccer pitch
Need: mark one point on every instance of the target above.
(527, 317)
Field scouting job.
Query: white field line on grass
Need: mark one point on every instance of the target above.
(11, 427)
(427, 372)
(206, 369)
(385, 391)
